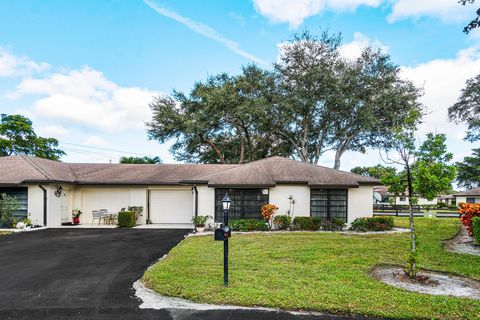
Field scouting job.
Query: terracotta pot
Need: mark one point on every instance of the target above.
(76, 220)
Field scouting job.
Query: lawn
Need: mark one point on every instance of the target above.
(317, 271)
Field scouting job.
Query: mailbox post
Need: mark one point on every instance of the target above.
(223, 233)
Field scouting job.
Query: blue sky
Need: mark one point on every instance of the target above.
(84, 71)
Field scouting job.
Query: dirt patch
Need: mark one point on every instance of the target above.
(437, 283)
(462, 243)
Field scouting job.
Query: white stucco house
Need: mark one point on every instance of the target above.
(469, 196)
(173, 193)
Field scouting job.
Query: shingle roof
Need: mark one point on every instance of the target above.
(471, 192)
(267, 172)
(278, 170)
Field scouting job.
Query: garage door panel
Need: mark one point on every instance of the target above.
(171, 206)
(112, 200)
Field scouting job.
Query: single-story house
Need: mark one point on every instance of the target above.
(172, 193)
(469, 196)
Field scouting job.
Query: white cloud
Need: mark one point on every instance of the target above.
(87, 97)
(447, 10)
(443, 80)
(13, 66)
(203, 30)
(52, 130)
(294, 12)
(354, 48)
(95, 141)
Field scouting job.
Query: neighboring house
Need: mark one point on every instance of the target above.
(448, 199)
(172, 193)
(402, 199)
(469, 196)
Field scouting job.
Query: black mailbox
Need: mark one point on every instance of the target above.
(223, 233)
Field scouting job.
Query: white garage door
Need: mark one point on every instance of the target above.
(171, 206)
(112, 200)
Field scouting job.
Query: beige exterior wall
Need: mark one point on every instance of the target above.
(35, 204)
(280, 195)
(464, 199)
(113, 198)
(206, 202)
(360, 202)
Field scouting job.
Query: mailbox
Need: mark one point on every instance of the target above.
(223, 233)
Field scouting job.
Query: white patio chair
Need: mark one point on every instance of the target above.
(105, 215)
(97, 215)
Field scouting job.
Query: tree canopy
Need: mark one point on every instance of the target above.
(312, 101)
(17, 137)
(475, 22)
(467, 109)
(468, 174)
(140, 160)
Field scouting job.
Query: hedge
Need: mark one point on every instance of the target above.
(282, 222)
(306, 223)
(126, 219)
(248, 225)
(372, 224)
(476, 228)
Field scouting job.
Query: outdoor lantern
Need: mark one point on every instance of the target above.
(222, 234)
(226, 202)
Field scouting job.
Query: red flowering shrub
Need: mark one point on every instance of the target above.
(467, 211)
(268, 210)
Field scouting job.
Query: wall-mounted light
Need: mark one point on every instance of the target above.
(58, 192)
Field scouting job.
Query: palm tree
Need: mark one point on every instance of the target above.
(141, 160)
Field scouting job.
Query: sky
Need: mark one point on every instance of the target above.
(85, 71)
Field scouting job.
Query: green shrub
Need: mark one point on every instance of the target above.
(306, 223)
(441, 205)
(282, 222)
(372, 224)
(333, 225)
(476, 228)
(248, 225)
(127, 219)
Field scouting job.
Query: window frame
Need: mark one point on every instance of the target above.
(470, 198)
(218, 211)
(328, 207)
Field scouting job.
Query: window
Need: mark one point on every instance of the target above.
(246, 203)
(470, 200)
(403, 199)
(21, 194)
(329, 203)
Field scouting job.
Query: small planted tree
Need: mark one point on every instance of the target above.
(8, 205)
(428, 172)
(268, 210)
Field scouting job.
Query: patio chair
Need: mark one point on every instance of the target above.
(97, 215)
(105, 215)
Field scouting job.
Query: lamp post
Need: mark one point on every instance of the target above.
(226, 207)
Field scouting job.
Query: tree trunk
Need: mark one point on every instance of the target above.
(337, 160)
(215, 148)
(411, 269)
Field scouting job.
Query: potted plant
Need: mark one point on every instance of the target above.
(76, 216)
(199, 223)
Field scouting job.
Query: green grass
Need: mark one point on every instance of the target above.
(4, 233)
(317, 271)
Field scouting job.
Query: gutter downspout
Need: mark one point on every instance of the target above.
(44, 205)
(196, 199)
(148, 207)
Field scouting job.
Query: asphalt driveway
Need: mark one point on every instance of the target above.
(88, 274)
